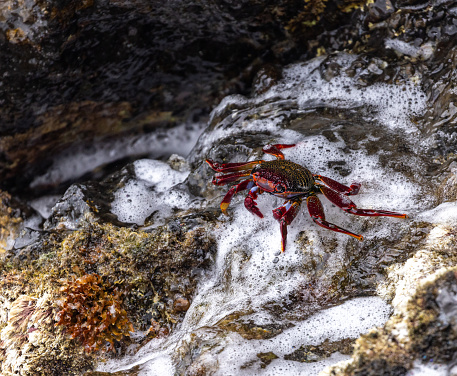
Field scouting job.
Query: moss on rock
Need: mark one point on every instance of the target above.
(76, 278)
(424, 323)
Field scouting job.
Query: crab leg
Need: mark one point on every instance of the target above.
(245, 184)
(285, 214)
(336, 186)
(276, 149)
(220, 179)
(316, 211)
(232, 167)
(249, 201)
(347, 205)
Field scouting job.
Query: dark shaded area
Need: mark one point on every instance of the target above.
(74, 72)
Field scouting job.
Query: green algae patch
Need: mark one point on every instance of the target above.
(84, 291)
(314, 353)
(266, 358)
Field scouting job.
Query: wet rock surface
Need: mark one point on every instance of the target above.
(16, 218)
(74, 72)
(422, 331)
(143, 254)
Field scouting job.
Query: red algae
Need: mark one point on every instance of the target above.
(93, 314)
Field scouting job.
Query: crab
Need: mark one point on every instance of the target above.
(292, 182)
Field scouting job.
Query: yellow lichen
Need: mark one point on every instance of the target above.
(10, 222)
(16, 35)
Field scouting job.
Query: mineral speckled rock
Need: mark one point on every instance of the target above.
(313, 353)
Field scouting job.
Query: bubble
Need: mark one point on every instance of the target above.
(151, 190)
(249, 270)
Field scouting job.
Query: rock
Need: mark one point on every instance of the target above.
(146, 285)
(63, 88)
(17, 222)
(145, 247)
(181, 305)
(423, 331)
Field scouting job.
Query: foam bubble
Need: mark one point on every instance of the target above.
(75, 163)
(445, 213)
(393, 104)
(158, 174)
(151, 360)
(159, 366)
(249, 270)
(332, 324)
(134, 202)
(150, 192)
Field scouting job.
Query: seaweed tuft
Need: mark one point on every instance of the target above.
(92, 313)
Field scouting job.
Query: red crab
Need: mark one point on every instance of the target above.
(292, 182)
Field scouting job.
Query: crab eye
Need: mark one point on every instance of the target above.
(280, 188)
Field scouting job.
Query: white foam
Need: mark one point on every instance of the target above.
(430, 369)
(380, 189)
(152, 359)
(151, 191)
(287, 367)
(249, 271)
(134, 202)
(348, 320)
(75, 163)
(159, 366)
(444, 213)
(158, 174)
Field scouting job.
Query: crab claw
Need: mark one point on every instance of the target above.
(220, 179)
(232, 167)
(249, 201)
(251, 205)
